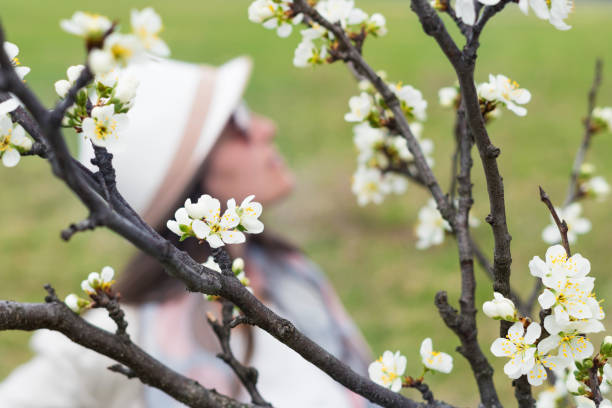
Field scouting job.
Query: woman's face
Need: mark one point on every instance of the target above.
(245, 162)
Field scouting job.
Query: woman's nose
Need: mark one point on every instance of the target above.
(263, 129)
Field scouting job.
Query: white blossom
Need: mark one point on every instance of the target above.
(13, 141)
(368, 186)
(559, 11)
(550, 396)
(500, 308)
(519, 347)
(341, 11)
(572, 347)
(377, 24)
(249, 212)
(412, 101)
(448, 96)
(75, 303)
(576, 266)
(8, 106)
(97, 280)
(598, 187)
(388, 370)
(575, 225)
(181, 219)
(465, 11)
(503, 90)
(431, 226)
(367, 140)
(569, 298)
(104, 126)
(537, 374)
(435, 360)
(307, 54)
(87, 25)
(215, 229)
(127, 85)
(12, 51)
(147, 25)
(63, 86)
(118, 50)
(603, 116)
(360, 108)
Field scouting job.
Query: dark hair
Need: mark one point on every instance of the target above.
(144, 278)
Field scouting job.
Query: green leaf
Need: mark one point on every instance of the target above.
(241, 228)
(184, 228)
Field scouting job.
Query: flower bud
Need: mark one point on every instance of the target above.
(500, 308)
(237, 266)
(75, 303)
(587, 170)
(62, 87)
(606, 346)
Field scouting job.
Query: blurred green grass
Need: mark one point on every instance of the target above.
(369, 254)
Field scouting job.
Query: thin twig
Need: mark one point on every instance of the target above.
(561, 224)
(87, 224)
(573, 190)
(247, 375)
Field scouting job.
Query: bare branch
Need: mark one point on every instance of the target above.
(573, 192)
(89, 223)
(561, 224)
(57, 316)
(247, 375)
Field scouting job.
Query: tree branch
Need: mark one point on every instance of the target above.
(561, 224)
(58, 317)
(247, 375)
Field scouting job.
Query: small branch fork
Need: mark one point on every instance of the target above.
(134, 362)
(247, 375)
(119, 217)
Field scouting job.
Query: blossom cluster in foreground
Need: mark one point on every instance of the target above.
(95, 282)
(383, 154)
(99, 111)
(203, 220)
(389, 369)
(574, 313)
(554, 11)
(317, 42)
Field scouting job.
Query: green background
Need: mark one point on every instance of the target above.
(369, 253)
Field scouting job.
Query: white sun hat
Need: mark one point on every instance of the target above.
(179, 111)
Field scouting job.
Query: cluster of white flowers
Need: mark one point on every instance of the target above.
(13, 141)
(382, 153)
(431, 227)
(115, 49)
(389, 369)
(575, 312)
(316, 40)
(576, 225)
(237, 268)
(111, 95)
(95, 282)
(555, 11)
(203, 221)
(603, 118)
(99, 111)
(501, 90)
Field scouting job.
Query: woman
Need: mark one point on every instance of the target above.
(190, 134)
